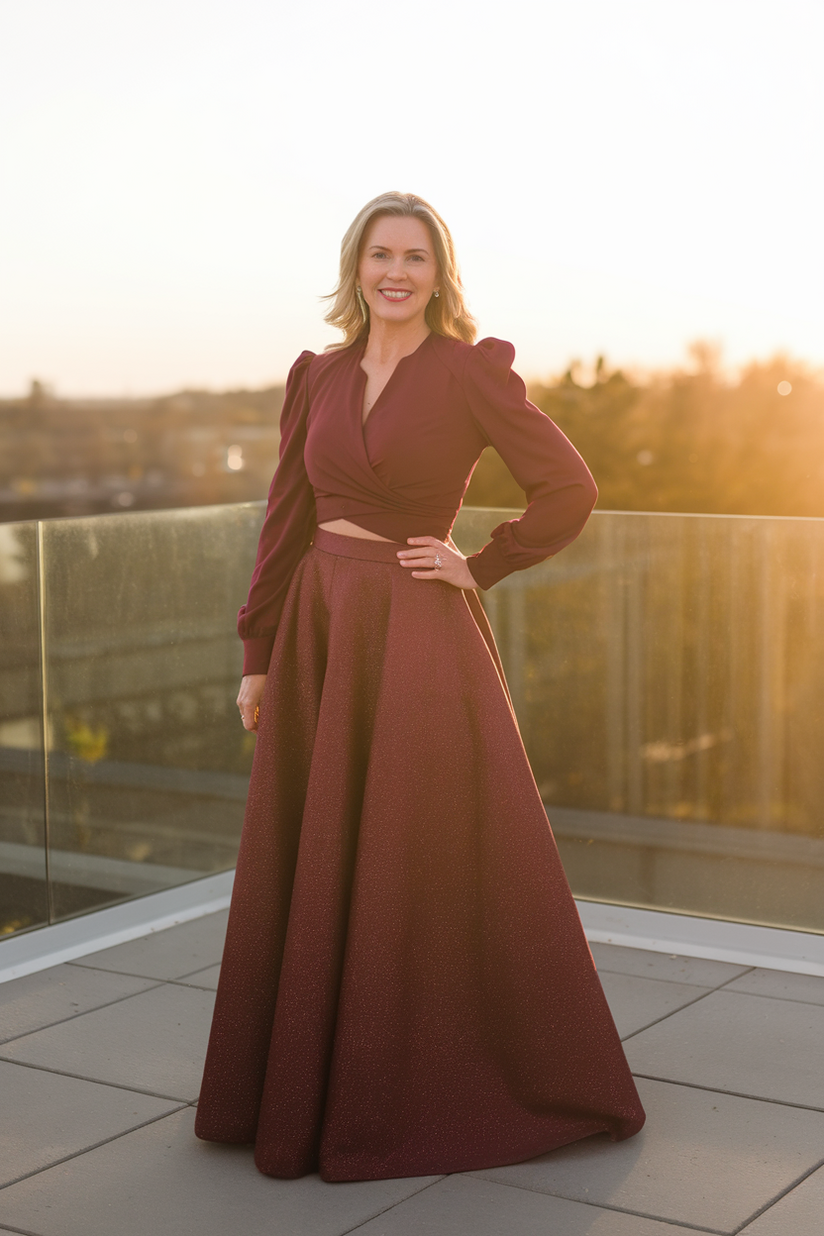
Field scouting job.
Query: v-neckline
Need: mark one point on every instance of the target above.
(364, 421)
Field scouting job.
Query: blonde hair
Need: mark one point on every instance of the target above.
(446, 314)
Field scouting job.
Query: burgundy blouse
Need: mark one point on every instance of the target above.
(405, 472)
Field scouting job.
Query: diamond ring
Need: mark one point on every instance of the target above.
(438, 562)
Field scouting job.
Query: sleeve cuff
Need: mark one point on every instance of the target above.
(489, 566)
(257, 653)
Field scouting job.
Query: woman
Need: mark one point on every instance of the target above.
(406, 988)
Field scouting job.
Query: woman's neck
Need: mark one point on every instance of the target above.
(389, 342)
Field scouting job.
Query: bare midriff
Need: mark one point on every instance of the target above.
(344, 528)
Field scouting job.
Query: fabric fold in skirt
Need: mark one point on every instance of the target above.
(406, 988)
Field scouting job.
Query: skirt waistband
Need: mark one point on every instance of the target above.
(356, 546)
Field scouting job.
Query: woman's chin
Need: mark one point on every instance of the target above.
(398, 314)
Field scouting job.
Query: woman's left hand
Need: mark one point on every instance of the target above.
(434, 559)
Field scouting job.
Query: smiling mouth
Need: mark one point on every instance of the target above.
(394, 294)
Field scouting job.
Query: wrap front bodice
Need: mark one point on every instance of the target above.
(405, 471)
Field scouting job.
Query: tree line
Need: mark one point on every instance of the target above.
(688, 439)
(691, 439)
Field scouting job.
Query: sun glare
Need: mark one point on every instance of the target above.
(608, 171)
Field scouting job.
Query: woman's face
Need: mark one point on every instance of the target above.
(397, 271)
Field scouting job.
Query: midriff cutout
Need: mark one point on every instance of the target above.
(344, 528)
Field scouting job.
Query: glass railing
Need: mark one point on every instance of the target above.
(119, 648)
(668, 676)
(667, 672)
(24, 900)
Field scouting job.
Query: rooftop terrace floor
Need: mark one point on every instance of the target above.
(100, 1063)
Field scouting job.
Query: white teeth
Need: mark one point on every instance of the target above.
(395, 295)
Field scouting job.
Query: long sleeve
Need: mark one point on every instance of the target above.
(287, 528)
(559, 487)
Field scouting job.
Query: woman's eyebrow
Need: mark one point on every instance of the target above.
(388, 249)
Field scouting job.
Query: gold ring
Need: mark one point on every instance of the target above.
(257, 713)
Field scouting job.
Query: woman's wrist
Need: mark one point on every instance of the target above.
(257, 653)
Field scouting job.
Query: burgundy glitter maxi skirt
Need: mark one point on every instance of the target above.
(406, 988)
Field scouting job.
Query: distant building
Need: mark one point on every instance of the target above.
(63, 457)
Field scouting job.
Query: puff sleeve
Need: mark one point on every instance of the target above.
(559, 487)
(287, 528)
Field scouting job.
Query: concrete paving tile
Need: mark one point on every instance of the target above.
(469, 1206)
(161, 1179)
(750, 1045)
(674, 969)
(38, 1000)
(800, 1213)
(638, 1002)
(46, 1117)
(702, 1159)
(155, 1041)
(202, 978)
(781, 986)
(166, 954)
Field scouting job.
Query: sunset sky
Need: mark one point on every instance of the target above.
(620, 178)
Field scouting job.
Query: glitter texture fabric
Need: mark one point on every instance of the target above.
(406, 987)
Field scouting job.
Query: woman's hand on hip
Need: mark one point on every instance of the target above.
(248, 699)
(434, 559)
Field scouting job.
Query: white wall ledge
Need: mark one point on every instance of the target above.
(43, 947)
(718, 940)
(745, 944)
